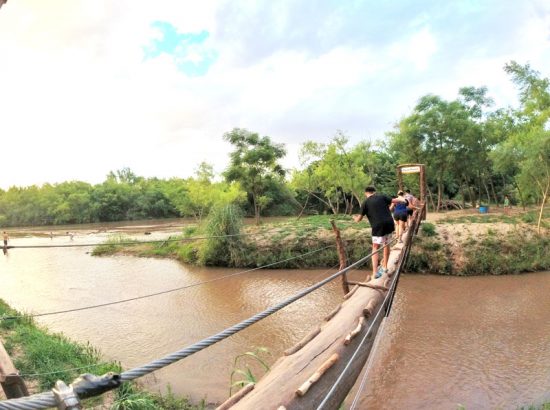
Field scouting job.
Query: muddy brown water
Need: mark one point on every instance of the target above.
(483, 342)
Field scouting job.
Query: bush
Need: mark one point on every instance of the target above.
(223, 246)
(428, 229)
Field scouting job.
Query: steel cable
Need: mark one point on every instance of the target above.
(116, 302)
(46, 399)
(382, 308)
(83, 245)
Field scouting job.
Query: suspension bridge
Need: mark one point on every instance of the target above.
(316, 373)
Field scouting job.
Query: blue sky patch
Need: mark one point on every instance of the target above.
(188, 50)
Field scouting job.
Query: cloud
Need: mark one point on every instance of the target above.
(89, 86)
(188, 50)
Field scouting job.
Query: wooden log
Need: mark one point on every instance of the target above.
(369, 309)
(351, 292)
(355, 331)
(305, 340)
(236, 397)
(341, 256)
(317, 375)
(368, 285)
(333, 313)
(13, 385)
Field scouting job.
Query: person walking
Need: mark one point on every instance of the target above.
(401, 215)
(6, 238)
(376, 208)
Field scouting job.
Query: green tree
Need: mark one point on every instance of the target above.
(254, 163)
(528, 145)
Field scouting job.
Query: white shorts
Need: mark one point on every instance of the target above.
(381, 240)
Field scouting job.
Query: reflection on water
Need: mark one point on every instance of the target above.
(482, 342)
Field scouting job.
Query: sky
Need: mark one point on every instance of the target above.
(91, 86)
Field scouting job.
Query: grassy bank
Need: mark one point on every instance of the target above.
(453, 244)
(42, 358)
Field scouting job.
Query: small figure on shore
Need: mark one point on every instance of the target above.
(6, 238)
(70, 235)
(376, 208)
(507, 206)
(400, 215)
(51, 235)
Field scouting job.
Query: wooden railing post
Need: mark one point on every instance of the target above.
(12, 384)
(341, 256)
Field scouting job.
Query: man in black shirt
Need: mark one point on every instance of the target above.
(377, 209)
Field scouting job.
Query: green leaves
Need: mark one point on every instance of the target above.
(253, 163)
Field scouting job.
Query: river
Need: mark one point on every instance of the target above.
(482, 341)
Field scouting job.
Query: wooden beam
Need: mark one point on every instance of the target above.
(341, 256)
(12, 384)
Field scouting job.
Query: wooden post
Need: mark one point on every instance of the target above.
(341, 256)
(12, 384)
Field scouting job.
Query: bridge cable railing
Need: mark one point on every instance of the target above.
(111, 381)
(124, 243)
(385, 307)
(73, 369)
(163, 292)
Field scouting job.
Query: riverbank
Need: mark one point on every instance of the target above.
(454, 243)
(42, 358)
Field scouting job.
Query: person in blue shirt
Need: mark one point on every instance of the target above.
(400, 214)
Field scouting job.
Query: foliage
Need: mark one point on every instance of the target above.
(46, 357)
(246, 375)
(223, 228)
(130, 397)
(428, 229)
(336, 174)
(113, 243)
(473, 153)
(452, 139)
(254, 163)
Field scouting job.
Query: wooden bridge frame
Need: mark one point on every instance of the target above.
(302, 378)
(419, 169)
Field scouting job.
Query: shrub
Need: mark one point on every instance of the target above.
(222, 248)
(428, 229)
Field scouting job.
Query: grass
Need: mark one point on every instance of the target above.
(42, 358)
(486, 253)
(113, 244)
(528, 217)
(130, 397)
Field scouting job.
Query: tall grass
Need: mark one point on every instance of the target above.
(223, 247)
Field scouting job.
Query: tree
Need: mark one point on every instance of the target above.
(451, 139)
(529, 145)
(254, 163)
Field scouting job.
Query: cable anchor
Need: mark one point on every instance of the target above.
(65, 396)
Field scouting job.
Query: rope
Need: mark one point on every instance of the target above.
(45, 400)
(81, 245)
(116, 302)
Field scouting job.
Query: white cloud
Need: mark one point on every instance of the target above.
(78, 99)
